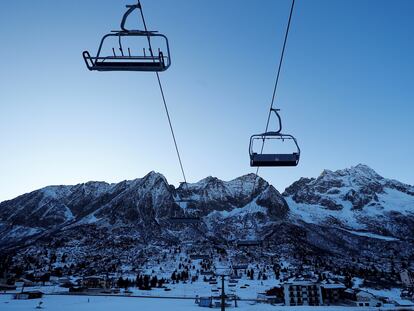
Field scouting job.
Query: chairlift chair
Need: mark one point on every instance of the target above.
(127, 60)
(271, 159)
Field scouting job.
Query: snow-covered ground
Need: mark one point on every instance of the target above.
(91, 303)
(373, 235)
(185, 290)
(393, 293)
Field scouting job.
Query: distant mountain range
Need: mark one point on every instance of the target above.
(347, 213)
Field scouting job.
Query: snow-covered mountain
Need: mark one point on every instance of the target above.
(352, 212)
(356, 198)
(144, 205)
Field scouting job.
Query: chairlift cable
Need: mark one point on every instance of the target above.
(163, 98)
(282, 54)
(279, 67)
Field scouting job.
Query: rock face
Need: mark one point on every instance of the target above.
(212, 194)
(356, 198)
(345, 212)
(143, 205)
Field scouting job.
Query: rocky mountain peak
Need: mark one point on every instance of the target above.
(360, 185)
(154, 178)
(360, 171)
(356, 197)
(313, 212)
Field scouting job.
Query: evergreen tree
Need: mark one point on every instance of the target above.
(174, 276)
(121, 282)
(140, 282)
(146, 284)
(154, 281)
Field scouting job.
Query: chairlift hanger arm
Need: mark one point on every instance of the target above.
(276, 111)
(131, 8)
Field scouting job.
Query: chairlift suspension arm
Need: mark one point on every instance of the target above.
(131, 8)
(276, 111)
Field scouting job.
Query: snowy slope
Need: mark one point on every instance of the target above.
(356, 198)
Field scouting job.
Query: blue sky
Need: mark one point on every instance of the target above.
(346, 90)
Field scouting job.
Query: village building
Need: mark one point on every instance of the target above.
(360, 298)
(302, 293)
(206, 302)
(93, 282)
(332, 293)
(275, 295)
(28, 295)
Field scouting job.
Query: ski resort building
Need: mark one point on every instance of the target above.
(93, 282)
(206, 302)
(28, 295)
(302, 293)
(365, 299)
(360, 298)
(332, 293)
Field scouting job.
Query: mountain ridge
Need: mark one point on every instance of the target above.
(337, 213)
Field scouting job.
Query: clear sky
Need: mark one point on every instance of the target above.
(346, 90)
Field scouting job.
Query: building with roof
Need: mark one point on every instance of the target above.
(28, 295)
(94, 282)
(361, 298)
(302, 293)
(332, 293)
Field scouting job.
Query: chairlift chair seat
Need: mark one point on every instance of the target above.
(113, 63)
(290, 159)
